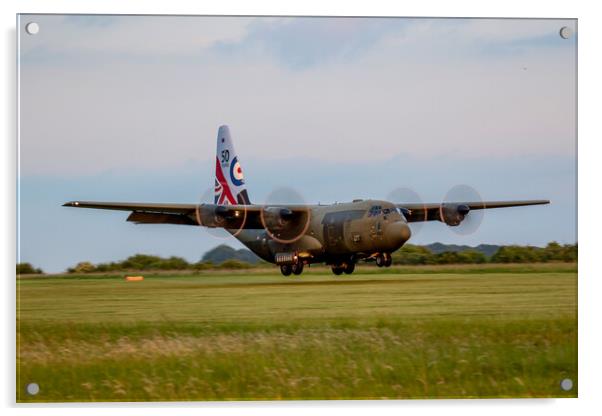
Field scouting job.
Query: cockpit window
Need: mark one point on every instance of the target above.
(403, 211)
(375, 210)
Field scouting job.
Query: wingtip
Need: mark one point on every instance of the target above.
(71, 204)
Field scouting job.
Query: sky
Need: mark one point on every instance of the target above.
(126, 108)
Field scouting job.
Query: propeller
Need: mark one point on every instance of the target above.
(403, 195)
(461, 219)
(281, 223)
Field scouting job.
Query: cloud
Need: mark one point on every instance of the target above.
(98, 38)
(304, 43)
(149, 92)
(300, 43)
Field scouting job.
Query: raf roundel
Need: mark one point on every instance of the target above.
(236, 173)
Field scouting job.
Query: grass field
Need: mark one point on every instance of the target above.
(410, 333)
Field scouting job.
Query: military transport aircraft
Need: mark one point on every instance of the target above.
(293, 236)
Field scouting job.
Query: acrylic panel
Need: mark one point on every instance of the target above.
(295, 208)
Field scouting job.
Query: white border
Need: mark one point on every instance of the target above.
(589, 146)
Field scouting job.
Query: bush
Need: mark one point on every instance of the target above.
(172, 263)
(234, 264)
(203, 265)
(83, 267)
(145, 262)
(557, 252)
(472, 257)
(141, 262)
(411, 254)
(518, 254)
(27, 268)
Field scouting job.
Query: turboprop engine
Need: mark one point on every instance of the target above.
(283, 224)
(453, 214)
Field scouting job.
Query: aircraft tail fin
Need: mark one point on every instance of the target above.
(230, 186)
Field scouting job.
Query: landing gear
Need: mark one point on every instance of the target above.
(341, 268)
(384, 260)
(337, 269)
(297, 268)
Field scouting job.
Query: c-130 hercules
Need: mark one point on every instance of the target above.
(292, 236)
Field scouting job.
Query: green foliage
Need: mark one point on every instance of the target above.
(421, 255)
(415, 255)
(408, 255)
(234, 265)
(203, 265)
(142, 262)
(145, 262)
(528, 254)
(472, 257)
(27, 268)
(84, 267)
(411, 255)
(465, 257)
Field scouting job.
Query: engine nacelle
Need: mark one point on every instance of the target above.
(284, 224)
(212, 216)
(276, 218)
(453, 214)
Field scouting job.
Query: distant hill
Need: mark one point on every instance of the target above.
(487, 249)
(224, 252)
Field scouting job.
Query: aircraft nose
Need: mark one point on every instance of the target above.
(405, 232)
(398, 233)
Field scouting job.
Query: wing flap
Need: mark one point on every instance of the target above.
(140, 217)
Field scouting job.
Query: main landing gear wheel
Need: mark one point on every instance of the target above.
(297, 268)
(388, 260)
(337, 269)
(349, 268)
(286, 269)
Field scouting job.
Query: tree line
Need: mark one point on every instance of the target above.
(416, 255)
(145, 262)
(409, 255)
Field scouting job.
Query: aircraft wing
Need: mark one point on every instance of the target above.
(209, 215)
(146, 213)
(437, 211)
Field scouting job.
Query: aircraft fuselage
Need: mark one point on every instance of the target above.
(335, 234)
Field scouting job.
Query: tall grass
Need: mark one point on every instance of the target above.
(262, 337)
